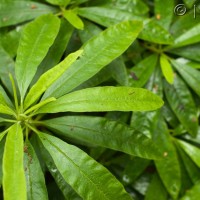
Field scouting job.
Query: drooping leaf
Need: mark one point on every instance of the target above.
(73, 18)
(88, 178)
(182, 103)
(140, 73)
(89, 64)
(105, 99)
(191, 150)
(14, 12)
(35, 182)
(189, 74)
(14, 184)
(49, 77)
(166, 69)
(36, 39)
(105, 133)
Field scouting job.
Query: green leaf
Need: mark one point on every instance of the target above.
(35, 182)
(140, 73)
(88, 178)
(105, 133)
(73, 18)
(5, 97)
(105, 99)
(106, 16)
(166, 69)
(155, 33)
(182, 103)
(66, 189)
(191, 52)
(36, 39)
(191, 150)
(6, 67)
(169, 166)
(14, 184)
(49, 77)
(6, 110)
(192, 169)
(59, 2)
(164, 14)
(2, 144)
(156, 189)
(134, 168)
(14, 12)
(190, 75)
(193, 193)
(115, 41)
(57, 50)
(191, 36)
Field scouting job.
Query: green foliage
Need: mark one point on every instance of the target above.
(77, 78)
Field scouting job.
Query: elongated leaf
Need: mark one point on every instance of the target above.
(66, 189)
(191, 150)
(110, 134)
(59, 2)
(181, 102)
(2, 143)
(191, 36)
(35, 182)
(166, 69)
(73, 18)
(6, 98)
(190, 75)
(14, 184)
(56, 51)
(156, 189)
(14, 12)
(48, 78)
(142, 71)
(105, 99)
(36, 39)
(6, 67)
(106, 16)
(164, 14)
(85, 175)
(115, 41)
(168, 167)
(6, 110)
(191, 167)
(193, 193)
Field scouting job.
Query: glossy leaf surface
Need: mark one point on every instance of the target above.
(105, 99)
(102, 132)
(49, 77)
(85, 175)
(14, 12)
(36, 39)
(35, 182)
(89, 64)
(14, 185)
